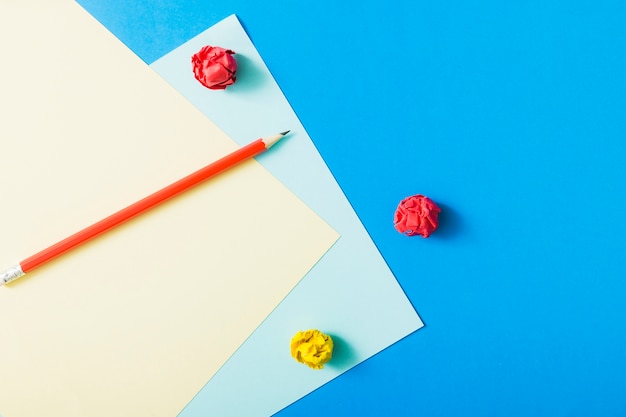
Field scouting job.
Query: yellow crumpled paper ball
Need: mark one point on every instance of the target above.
(312, 348)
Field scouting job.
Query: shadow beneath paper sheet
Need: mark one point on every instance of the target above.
(249, 76)
(343, 354)
(450, 223)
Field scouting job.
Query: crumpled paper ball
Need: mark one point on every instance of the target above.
(214, 67)
(312, 348)
(416, 215)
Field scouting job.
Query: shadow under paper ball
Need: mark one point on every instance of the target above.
(450, 223)
(249, 76)
(343, 354)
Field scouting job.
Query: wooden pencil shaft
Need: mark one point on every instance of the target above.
(143, 205)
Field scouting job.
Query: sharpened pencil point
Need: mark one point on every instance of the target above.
(271, 140)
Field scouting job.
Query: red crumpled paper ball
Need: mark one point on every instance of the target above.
(416, 215)
(214, 67)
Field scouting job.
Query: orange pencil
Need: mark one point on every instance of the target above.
(242, 154)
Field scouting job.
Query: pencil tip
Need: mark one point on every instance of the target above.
(270, 141)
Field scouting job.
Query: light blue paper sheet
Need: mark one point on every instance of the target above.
(350, 294)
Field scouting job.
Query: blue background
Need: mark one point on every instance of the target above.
(511, 116)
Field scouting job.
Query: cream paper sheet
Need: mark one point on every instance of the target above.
(137, 321)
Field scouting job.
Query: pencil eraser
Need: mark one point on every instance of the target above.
(416, 214)
(312, 348)
(214, 67)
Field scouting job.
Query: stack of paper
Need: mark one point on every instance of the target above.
(143, 320)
